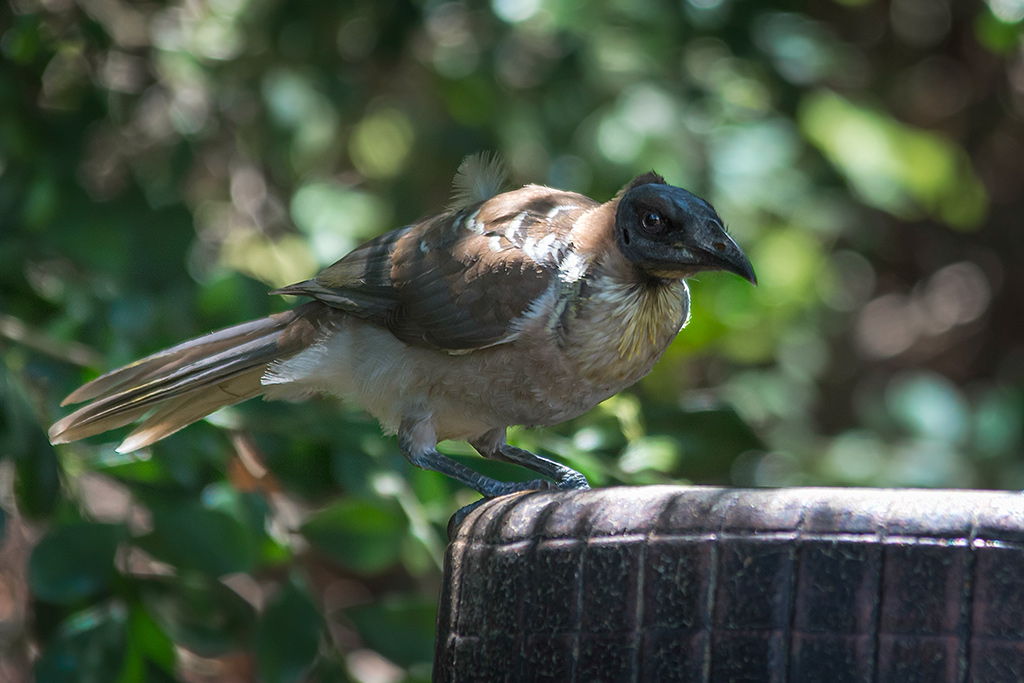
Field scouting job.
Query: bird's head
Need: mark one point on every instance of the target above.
(668, 232)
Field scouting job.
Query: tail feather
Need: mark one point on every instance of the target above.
(174, 388)
(188, 408)
(120, 407)
(167, 360)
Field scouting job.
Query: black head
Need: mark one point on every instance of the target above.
(671, 233)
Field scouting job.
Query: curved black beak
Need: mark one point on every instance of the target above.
(730, 257)
(711, 248)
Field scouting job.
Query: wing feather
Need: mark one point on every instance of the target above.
(460, 280)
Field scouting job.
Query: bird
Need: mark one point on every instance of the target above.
(521, 307)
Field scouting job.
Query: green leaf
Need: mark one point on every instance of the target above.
(709, 439)
(89, 647)
(38, 479)
(38, 483)
(362, 535)
(74, 561)
(149, 649)
(998, 35)
(132, 469)
(895, 167)
(331, 669)
(288, 636)
(199, 613)
(401, 630)
(189, 536)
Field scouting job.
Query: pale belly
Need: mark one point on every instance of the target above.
(536, 380)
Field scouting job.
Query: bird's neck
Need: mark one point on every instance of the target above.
(623, 322)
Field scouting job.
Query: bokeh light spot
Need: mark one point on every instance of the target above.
(380, 143)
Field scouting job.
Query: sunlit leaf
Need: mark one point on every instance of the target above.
(893, 166)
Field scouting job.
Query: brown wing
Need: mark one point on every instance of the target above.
(457, 281)
(360, 282)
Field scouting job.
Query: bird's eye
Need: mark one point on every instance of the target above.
(652, 222)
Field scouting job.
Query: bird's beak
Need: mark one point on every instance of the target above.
(718, 251)
(708, 247)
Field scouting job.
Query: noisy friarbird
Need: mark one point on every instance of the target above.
(527, 307)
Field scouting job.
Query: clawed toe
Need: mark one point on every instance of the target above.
(573, 481)
(460, 516)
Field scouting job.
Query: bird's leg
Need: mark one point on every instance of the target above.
(492, 445)
(418, 444)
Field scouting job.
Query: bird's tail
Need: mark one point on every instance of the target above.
(175, 387)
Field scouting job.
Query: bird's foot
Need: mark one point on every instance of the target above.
(460, 516)
(503, 489)
(571, 480)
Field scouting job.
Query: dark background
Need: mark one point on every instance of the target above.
(162, 165)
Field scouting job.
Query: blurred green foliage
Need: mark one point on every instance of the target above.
(162, 165)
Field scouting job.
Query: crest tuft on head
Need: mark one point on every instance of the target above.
(480, 177)
(648, 178)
